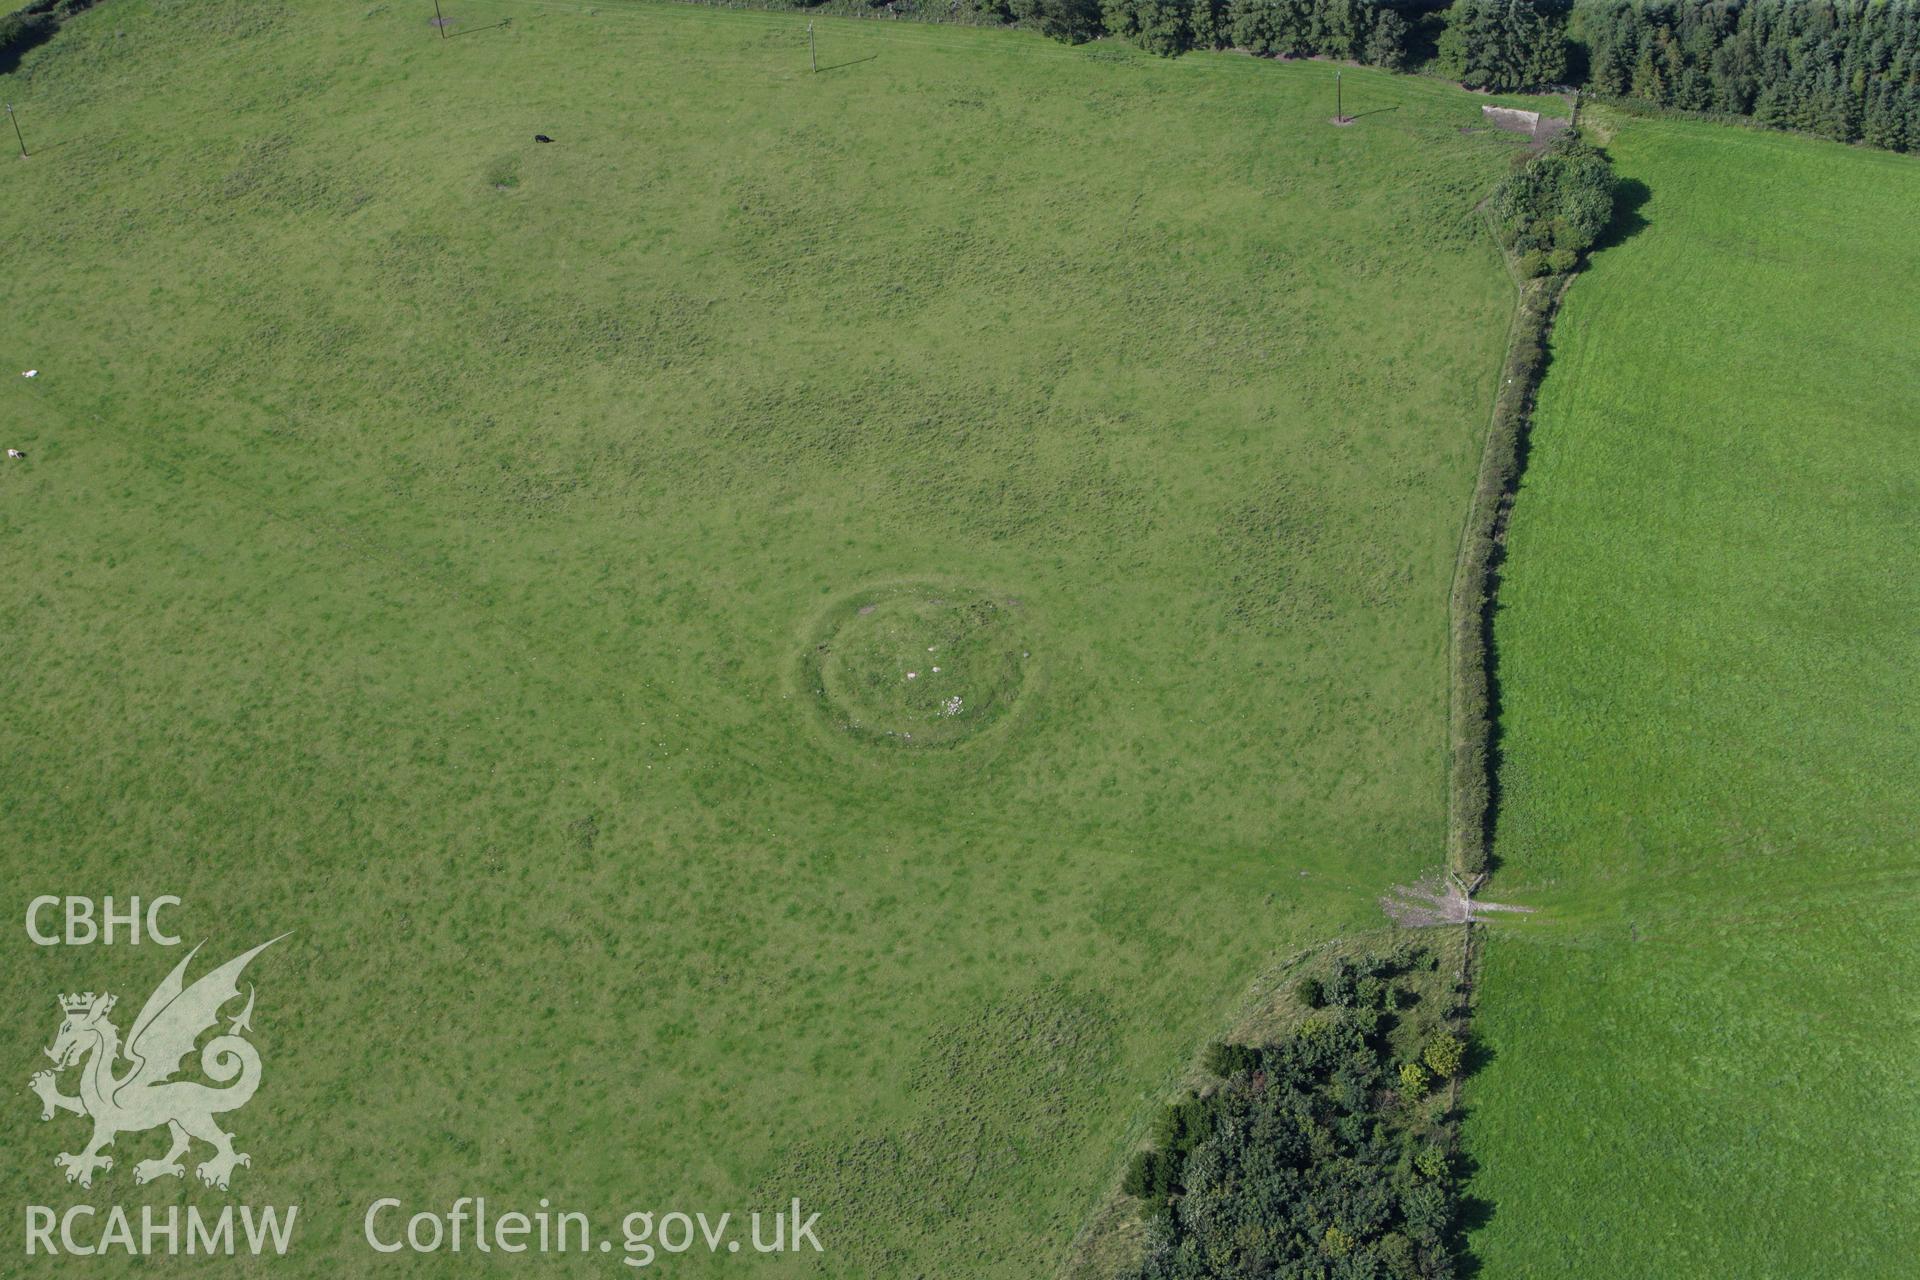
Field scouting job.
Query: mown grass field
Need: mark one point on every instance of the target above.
(1703, 1053)
(426, 537)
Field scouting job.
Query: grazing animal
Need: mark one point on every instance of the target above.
(15, 453)
(541, 137)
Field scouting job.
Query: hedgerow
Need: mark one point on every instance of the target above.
(1474, 715)
(1561, 199)
(1549, 212)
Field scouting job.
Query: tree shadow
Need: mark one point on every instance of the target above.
(34, 32)
(1423, 36)
(1630, 196)
(1471, 1213)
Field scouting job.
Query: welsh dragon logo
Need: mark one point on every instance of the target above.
(145, 1095)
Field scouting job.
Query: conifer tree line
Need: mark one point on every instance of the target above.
(1843, 69)
(1499, 45)
(1348, 30)
(1504, 45)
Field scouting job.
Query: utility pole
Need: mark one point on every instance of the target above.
(439, 21)
(1339, 110)
(16, 130)
(812, 56)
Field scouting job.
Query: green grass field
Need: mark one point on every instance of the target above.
(427, 540)
(1703, 1053)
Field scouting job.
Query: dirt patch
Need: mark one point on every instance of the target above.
(1439, 900)
(1539, 129)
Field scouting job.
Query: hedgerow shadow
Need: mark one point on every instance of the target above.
(1630, 196)
(26, 38)
(1491, 608)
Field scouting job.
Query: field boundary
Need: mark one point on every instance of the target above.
(1473, 703)
(1473, 713)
